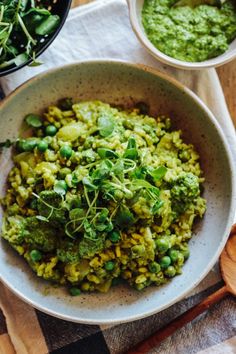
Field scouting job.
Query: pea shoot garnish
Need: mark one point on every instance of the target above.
(23, 23)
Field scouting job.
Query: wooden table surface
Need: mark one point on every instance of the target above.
(227, 75)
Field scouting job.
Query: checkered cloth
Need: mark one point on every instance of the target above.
(25, 330)
(102, 29)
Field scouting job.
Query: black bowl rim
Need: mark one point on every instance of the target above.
(44, 47)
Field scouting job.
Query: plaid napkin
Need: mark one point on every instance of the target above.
(102, 29)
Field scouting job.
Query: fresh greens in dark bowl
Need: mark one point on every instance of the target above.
(27, 27)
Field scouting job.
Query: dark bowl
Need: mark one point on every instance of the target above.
(60, 8)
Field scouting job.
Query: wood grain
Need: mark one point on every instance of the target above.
(153, 341)
(227, 75)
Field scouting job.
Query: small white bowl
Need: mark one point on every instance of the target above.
(135, 12)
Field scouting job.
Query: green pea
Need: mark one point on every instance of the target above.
(75, 291)
(114, 236)
(66, 151)
(110, 265)
(35, 255)
(173, 254)
(137, 251)
(42, 146)
(162, 244)
(165, 261)
(51, 130)
(154, 267)
(170, 272)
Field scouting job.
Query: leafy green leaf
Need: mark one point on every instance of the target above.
(35, 63)
(141, 183)
(101, 172)
(140, 172)
(59, 189)
(48, 25)
(89, 184)
(20, 59)
(107, 153)
(158, 173)
(33, 120)
(124, 217)
(154, 191)
(118, 168)
(102, 216)
(157, 206)
(106, 125)
(37, 10)
(131, 152)
(131, 143)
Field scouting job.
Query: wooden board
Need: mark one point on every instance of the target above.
(227, 75)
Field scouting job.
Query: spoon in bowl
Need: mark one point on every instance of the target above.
(228, 271)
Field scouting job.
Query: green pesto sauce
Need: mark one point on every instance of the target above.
(189, 34)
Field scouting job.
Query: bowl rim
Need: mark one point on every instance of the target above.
(230, 220)
(230, 54)
(44, 47)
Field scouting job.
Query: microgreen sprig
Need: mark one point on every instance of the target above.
(22, 26)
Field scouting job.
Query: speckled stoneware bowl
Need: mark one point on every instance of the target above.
(123, 83)
(135, 11)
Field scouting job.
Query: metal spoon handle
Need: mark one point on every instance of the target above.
(149, 343)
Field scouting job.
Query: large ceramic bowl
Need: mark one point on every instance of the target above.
(124, 84)
(135, 11)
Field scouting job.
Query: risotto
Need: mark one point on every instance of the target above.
(100, 195)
